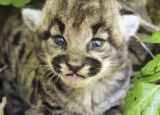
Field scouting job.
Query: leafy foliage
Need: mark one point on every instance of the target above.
(146, 79)
(16, 3)
(155, 38)
(152, 67)
(149, 73)
(144, 98)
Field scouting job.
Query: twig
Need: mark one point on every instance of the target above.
(144, 46)
(134, 73)
(148, 26)
(2, 105)
(3, 68)
(143, 23)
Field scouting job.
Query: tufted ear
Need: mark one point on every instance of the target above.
(31, 17)
(131, 23)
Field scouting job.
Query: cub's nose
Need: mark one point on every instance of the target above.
(74, 68)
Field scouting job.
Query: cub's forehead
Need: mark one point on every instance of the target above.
(74, 12)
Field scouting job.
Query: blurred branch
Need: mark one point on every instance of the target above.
(150, 27)
(3, 68)
(144, 46)
(146, 25)
(2, 105)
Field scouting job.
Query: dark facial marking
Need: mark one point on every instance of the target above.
(16, 38)
(95, 66)
(126, 12)
(95, 28)
(60, 25)
(57, 61)
(46, 35)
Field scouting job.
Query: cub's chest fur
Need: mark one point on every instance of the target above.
(93, 100)
(75, 63)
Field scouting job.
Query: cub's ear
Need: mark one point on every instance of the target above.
(31, 17)
(131, 23)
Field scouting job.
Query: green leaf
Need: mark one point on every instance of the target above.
(155, 38)
(18, 3)
(5, 2)
(149, 73)
(143, 99)
(146, 79)
(152, 67)
(149, 40)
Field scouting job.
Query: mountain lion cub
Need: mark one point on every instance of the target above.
(73, 62)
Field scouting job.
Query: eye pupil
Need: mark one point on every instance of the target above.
(96, 43)
(59, 40)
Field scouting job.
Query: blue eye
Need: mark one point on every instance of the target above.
(59, 40)
(96, 43)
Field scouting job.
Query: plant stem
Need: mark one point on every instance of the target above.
(3, 68)
(145, 47)
(149, 51)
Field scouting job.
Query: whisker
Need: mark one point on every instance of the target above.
(48, 74)
(101, 77)
(49, 81)
(47, 66)
(57, 79)
(36, 68)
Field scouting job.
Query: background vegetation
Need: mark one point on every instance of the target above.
(144, 98)
(16, 3)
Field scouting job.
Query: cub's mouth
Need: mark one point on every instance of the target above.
(76, 74)
(74, 79)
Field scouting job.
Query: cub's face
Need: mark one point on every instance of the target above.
(78, 55)
(80, 43)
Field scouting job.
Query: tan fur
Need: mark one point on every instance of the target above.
(77, 33)
(73, 95)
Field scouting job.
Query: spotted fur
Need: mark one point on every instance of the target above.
(73, 79)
